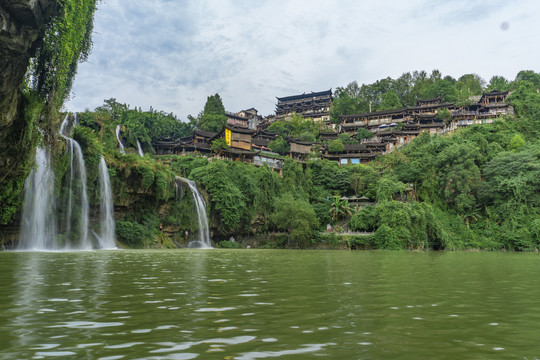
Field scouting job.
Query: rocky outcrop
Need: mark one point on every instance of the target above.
(22, 25)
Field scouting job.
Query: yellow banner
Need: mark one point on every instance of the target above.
(228, 136)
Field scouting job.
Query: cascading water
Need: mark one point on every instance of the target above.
(140, 148)
(38, 228)
(39, 223)
(79, 189)
(119, 141)
(106, 240)
(200, 204)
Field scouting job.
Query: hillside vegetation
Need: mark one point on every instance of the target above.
(476, 188)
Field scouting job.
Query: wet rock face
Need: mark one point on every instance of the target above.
(22, 24)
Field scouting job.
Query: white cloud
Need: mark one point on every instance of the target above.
(172, 54)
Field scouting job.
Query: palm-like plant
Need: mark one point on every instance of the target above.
(340, 208)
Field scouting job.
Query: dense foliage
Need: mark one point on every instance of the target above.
(212, 118)
(476, 188)
(136, 124)
(66, 41)
(389, 94)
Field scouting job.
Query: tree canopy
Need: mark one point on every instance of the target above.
(212, 118)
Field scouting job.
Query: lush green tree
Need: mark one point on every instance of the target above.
(365, 219)
(144, 126)
(364, 180)
(498, 83)
(297, 216)
(340, 209)
(421, 82)
(468, 85)
(526, 100)
(213, 117)
(390, 101)
(462, 183)
(388, 188)
(530, 76)
(363, 133)
(282, 128)
(347, 100)
(444, 115)
(214, 106)
(336, 146)
(308, 136)
(295, 180)
(516, 142)
(279, 145)
(346, 139)
(444, 88)
(219, 145)
(295, 126)
(133, 233)
(228, 203)
(329, 176)
(512, 177)
(212, 122)
(403, 88)
(112, 108)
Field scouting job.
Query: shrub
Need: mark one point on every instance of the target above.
(226, 244)
(364, 220)
(336, 146)
(388, 238)
(161, 185)
(132, 233)
(297, 216)
(147, 176)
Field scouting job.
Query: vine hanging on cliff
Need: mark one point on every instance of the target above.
(67, 41)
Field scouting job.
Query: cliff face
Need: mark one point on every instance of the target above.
(22, 25)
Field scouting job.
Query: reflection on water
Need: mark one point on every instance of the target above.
(225, 304)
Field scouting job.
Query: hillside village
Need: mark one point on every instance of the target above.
(247, 136)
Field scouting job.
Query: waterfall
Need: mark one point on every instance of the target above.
(204, 233)
(106, 240)
(38, 228)
(175, 191)
(119, 141)
(76, 156)
(140, 148)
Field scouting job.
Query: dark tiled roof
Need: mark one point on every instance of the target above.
(355, 147)
(375, 113)
(495, 93)
(204, 146)
(299, 142)
(206, 134)
(260, 142)
(240, 130)
(306, 96)
(439, 98)
(359, 156)
(238, 152)
(432, 125)
(498, 105)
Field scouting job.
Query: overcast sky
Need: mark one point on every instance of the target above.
(172, 54)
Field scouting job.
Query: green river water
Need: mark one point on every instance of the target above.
(265, 304)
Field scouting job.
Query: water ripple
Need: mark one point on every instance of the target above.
(307, 348)
(55, 353)
(215, 309)
(86, 324)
